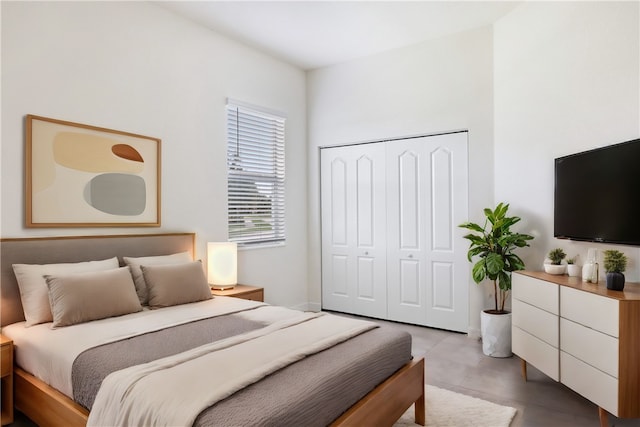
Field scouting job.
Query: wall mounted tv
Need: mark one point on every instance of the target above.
(597, 195)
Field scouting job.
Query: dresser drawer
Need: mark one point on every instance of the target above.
(536, 292)
(592, 347)
(536, 352)
(595, 385)
(596, 312)
(6, 358)
(536, 321)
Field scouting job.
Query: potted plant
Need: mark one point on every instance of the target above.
(555, 266)
(573, 269)
(615, 263)
(493, 245)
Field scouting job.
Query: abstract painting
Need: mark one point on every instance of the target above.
(86, 176)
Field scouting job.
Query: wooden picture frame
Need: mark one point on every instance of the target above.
(79, 175)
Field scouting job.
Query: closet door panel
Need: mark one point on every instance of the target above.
(366, 278)
(441, 203)
(448, 303)
(338, 206)
(370, 235)
(339, 275)
(337, 290)
(408, 187)
(366, 199)
(353, 214)
(442, 295)
(405, 232)
(426, 199)
(409, 283)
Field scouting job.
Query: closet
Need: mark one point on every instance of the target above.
(391, 245)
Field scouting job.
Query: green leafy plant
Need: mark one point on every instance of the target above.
(556, 256)
(494, 245)
(571, 261)
(614, 261)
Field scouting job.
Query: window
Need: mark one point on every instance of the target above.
(255, 165)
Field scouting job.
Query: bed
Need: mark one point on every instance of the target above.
(387, 384)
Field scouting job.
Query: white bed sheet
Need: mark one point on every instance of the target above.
(48, 353)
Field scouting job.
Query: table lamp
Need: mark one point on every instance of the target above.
(222, 265)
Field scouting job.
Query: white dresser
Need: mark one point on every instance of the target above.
(583, 335)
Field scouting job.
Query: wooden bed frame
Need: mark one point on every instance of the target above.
(47, 406)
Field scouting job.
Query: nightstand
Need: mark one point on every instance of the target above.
(252, 293)
(6, 379)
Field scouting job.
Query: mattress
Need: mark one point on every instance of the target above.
(313, 391)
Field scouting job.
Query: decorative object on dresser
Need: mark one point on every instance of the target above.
(252, 293)
(222, 265)
(86, 176)
(590, 271)
(6, 379)
(582, 335)
(555, 265)
(495, 247)
(615, 263)
(573, 269)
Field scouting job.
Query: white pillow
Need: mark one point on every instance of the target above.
(135, 263)
(81, 297)
(175, 284)
(33, 287)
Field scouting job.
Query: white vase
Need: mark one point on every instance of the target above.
(496, 334)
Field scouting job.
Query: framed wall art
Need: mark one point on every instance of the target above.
(86, 176)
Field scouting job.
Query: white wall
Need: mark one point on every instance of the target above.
(436, 86)
(133, 66)
(567, 79)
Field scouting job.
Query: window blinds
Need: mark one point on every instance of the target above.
(255, 165)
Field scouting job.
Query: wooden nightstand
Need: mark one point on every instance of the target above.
(252, 293)
(6, 379)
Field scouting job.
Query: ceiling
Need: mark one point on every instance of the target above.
(314, 34)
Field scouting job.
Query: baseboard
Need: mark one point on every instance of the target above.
(474, 333)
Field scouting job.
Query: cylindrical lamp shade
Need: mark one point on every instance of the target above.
(222, 264)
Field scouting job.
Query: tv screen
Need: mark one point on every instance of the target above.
(597, 195)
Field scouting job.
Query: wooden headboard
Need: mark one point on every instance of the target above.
(47, 250)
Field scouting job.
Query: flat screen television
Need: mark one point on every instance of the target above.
(597, 195)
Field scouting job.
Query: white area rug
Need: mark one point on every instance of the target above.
(446, 408)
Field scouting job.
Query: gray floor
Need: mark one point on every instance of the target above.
(455, 362)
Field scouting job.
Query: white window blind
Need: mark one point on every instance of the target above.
(255, 165)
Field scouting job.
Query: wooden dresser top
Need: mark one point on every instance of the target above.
(631, 290)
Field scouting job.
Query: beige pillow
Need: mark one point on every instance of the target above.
(81, 297)
(138, 278)
(176, 284)
(33, 287)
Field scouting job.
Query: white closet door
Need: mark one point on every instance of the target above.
(353, 230)
(427, 269)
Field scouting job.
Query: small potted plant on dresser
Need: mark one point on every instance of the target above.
(573, 269)
(555, 265)
(494, 245)
(615, 263)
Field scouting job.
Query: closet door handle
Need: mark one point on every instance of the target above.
(366, 253)
(410, 255)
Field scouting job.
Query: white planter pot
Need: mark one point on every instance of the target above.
(496, 334)
(555, 269)
(574, 270)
